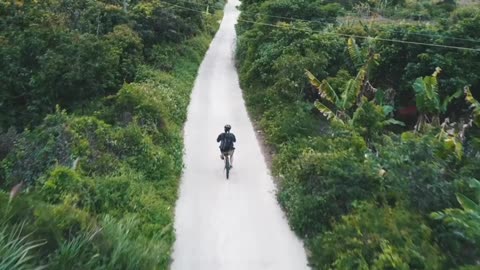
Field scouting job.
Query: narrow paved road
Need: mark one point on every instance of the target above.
(237, 223)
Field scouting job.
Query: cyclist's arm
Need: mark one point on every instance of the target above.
(234, 139)
(219, 138)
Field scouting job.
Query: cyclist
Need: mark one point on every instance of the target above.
(226, 140)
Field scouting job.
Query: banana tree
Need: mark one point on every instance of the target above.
(345, 101)
(351, 94)
(342, 101)
(364, 60)
(428, 100)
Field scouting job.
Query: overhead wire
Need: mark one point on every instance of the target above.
(336, 33)
(375, 38)
(329, 21)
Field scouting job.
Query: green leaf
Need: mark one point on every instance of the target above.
(348, 95)
(387, 110)
(392, 121)
(467, 204)
(474, 183)
(457, 146)
(449, 99)
(325, 90)
(419, 86)
(352, 90)
(475, 105)
(329, 114)
(426, 93)
(437, 215)
(354, 52)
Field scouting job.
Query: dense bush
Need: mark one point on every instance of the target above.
(320, 184)
(377, 238)
(72, 52)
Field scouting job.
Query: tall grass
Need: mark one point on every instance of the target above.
(16, 249)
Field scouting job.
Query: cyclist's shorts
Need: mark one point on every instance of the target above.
(230, 152)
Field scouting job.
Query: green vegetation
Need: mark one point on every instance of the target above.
(376, 141)
(93, 99)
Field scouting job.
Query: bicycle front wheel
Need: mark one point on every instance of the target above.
(227, 166)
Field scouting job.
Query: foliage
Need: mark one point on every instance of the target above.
(465, 223)
(324, 179)
(373, 237)
(95, 182)
(427, 186)
(346, 168)
(474, 104)
(428, 99)
(16, 249)
(72, 52)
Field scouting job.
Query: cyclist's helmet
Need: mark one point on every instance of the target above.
(227, 128)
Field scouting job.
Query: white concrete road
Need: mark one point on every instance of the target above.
(236, 223)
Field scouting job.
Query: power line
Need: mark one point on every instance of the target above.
(365, 37)
(330, 21)
(344, 35)
(432, 35)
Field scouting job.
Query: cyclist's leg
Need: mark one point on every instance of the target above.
(222, 154)
(230, 153)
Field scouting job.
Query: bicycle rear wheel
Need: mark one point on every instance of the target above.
(227, 166)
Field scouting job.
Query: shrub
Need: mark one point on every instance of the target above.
(319, 185)
(462, 233)
(63, 185)
(373, 237)
(59, 223)
(7, 141)
(417, 171)
(285, 124)
(163, 57)
(39, 150)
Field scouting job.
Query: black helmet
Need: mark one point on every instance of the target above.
(227, 127)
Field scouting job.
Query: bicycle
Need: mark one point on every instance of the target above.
(228, 166)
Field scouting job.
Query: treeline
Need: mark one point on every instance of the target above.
(93, 97)
(375, 131)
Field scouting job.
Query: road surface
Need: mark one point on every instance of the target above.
(236, 223)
